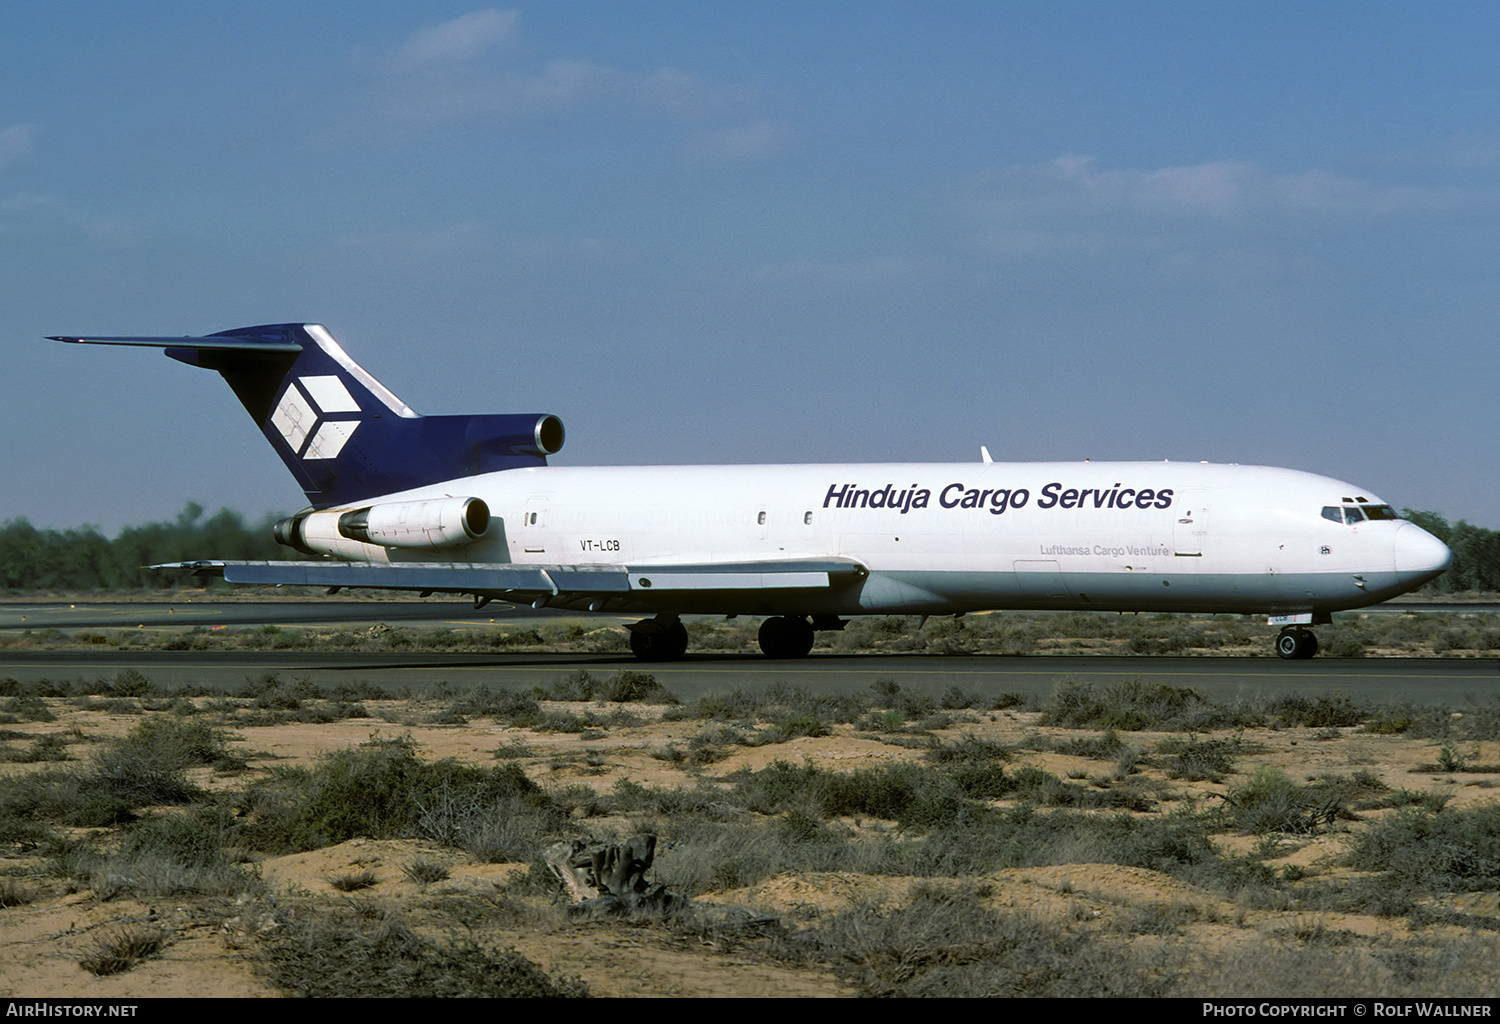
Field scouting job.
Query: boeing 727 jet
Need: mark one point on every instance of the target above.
(469, 505)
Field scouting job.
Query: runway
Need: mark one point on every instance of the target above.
(1453, 682)
(1426, 680)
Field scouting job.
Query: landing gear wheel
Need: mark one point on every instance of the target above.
(786, 636)
(1297, 643)
(666, 643)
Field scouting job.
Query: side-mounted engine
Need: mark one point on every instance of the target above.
(427, 525)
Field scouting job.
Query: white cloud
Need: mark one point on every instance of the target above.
(23, 201)
(458, 72)
(758, 139)
(1071, 205)
(1226, 188)
(459, 41)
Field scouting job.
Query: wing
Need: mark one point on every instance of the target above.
(560, 585)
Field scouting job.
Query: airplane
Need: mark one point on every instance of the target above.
(469, 505)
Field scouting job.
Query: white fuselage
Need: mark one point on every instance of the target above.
(948, 538)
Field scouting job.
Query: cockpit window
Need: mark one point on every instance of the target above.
(1352, 513)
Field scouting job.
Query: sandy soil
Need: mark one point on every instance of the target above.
(213, 945)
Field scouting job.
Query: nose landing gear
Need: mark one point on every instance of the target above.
(1296, 642)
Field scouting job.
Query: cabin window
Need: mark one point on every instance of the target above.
(807, 519)
(761, 519)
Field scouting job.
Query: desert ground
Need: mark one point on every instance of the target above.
(1134, 840)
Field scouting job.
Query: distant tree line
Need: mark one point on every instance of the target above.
(84, 559)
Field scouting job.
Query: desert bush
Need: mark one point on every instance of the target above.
(13, 894)
(354, 881)
(382, 789)
(982, 839)
(26, 708)
(119, 951)
(1199, 760)
(777, 702)
(559, 721)
(912, 796)
(189, 853)
(178, 743)
(1045, 789)
(975, 765)
(42, 748)
(509, 706)
(327, 956)
(1434, 851)
(1458, 967)
(128, 683)
(1324, 711)
(1343, 643)
(425, 872)
(622, 687)
(32, 804)
(945, 942)
(708, 635)
(1131, 706)
(705, 855)
(1480, 721)
(149, 764)
(1271, 802)
(1104, 747)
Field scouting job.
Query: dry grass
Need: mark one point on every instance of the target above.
(1135, 840)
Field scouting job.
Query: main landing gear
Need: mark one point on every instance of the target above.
(1296, 642)
(786, 636)
(664, 638)
(658, 639)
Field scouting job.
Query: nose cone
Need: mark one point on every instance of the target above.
(1419, 556)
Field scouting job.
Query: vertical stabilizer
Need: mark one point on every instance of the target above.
(342, 433)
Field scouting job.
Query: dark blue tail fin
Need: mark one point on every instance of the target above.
(341, 432)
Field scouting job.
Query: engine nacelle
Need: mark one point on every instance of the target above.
(432, 524)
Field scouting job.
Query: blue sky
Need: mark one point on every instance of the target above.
(774, 232)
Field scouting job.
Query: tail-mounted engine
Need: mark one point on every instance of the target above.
(428, 525)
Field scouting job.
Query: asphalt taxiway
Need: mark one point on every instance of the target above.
(1449, 681)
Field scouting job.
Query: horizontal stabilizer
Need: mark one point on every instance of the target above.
(232, 344)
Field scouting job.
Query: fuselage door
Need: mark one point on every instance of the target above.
(1190, 532)
(534, 525)
(1040, 582)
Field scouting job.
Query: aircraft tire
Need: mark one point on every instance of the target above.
(668, 643)
(786, 636)
(1297, 644)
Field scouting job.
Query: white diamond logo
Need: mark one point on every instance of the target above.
(330, 394)
(297, 418)
(294, 418)
(330, 439)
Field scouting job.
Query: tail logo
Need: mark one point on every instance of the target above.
(302, 417)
